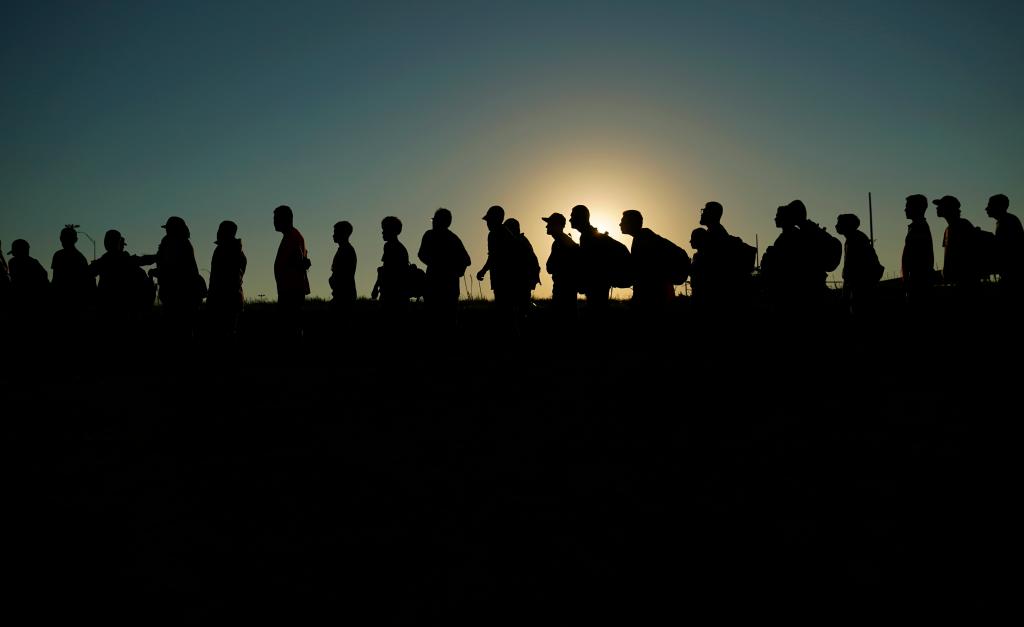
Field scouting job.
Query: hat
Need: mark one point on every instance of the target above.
(173, 222)
(947, 201)
(556, 217)
(496, 211)
(16, 245)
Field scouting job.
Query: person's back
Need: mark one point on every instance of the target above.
(178, 272)
(652, 285)
(446, 260)
(958, 262)
(124, 289)
(29, 279)
(73, 285)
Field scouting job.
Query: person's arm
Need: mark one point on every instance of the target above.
(424, 254)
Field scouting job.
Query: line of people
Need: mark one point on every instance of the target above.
(723, 272)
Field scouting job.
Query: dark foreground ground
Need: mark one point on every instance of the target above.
(748, 468)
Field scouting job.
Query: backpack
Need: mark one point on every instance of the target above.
(740, 257)
(613, 260)
(875, 271)
(677, 262)
(827, 249)
(415, 281)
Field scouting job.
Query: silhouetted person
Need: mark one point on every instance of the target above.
(650, 264)
(446, 259)
(861, 270)
(125, 292)
(960, 258)
(500, 261)
(392, 275)
(699, 242)
(227, 270)
(290, 272)
(526, 271)
(563, 265)
(1009, 242)
(181, 287)
(343, 269)
(29, 281)
(73, 284)
(711, 218)
(790, 266)
(727, 263)
(595, 282)
(918, 261)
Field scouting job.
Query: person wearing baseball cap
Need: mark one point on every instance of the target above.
(960, 256)
(563, 266)
(500, 258)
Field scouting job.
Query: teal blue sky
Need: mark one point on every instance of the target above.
(120, 114)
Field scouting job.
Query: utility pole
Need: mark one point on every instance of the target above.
(871, 221)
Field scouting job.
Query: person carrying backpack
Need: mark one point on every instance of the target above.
(728, 262)
(861, 268)
(563, 266)
(656, 263)
(446, 260)
(604, 261)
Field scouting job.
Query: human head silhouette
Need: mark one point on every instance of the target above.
(513, 226)
(916, 206)
(947, 207)
(176, 227)
(632, 222)
(555, 223)
(698, 238)
(711, 214)
(68, 237)
(997, 206)
(579, 218)
(390, 227)
(283, 218)
(442, 219)
(797, 211)
(19, 248)
(342, 231)
(113, 241)
(226, 232)
(784, 217)
(847, 223)
(494, 217)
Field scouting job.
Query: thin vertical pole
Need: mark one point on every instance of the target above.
(871, 221)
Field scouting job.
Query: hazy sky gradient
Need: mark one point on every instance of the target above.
(120, 114)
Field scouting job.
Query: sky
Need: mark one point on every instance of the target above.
(120, 114)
